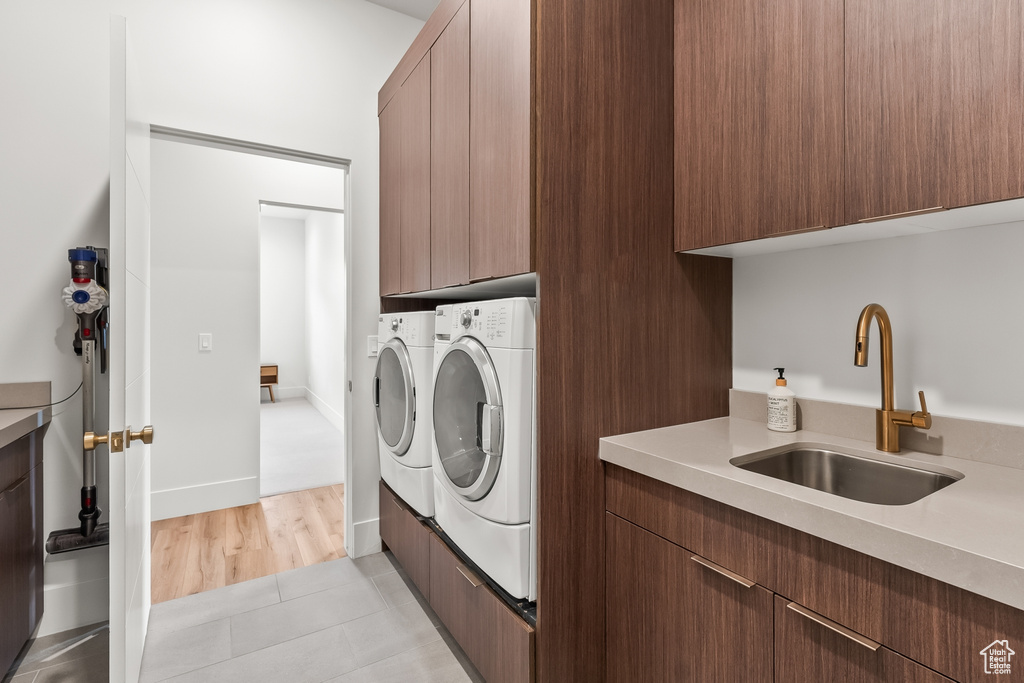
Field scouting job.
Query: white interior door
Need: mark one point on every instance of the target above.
(129, 363)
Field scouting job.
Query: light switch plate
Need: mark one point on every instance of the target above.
(205, 342)
(371, 345)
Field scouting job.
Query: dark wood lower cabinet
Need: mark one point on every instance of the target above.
(810, 650)
(497, 640)
(673, 616)
(406, 537)
(21, 544)
(926, 630)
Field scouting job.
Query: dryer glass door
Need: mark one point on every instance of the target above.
(468, 418)
(394, 396)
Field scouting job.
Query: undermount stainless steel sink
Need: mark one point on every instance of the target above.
(849, 476)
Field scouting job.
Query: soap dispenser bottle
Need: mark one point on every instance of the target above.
(781, 406)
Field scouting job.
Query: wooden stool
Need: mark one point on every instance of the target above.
(268, 378)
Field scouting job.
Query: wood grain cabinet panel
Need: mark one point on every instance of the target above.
(924, 620)
(415, 179)
(934, 106)
(898, 124)
(671, 618)
(405, 186)
(806, 650)
(987, 101)
(500, 238)
(758, 118)
(498, 642)
(406, 537)
(21, 544)
(449, 154)
(390, 122)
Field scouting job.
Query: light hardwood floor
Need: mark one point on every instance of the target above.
(201, 552)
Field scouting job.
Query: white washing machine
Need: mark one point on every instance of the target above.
(484, 444)
(402, 394)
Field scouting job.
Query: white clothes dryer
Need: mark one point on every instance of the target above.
(484, 444)
(402, 394)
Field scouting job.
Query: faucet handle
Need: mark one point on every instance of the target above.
(922, 419)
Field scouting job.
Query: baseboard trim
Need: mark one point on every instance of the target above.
(332, 415)
(365, 539)
(191, 500)
(290, 392)
(74, 605)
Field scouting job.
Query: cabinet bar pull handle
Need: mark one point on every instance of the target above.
(903, 214)
(397, 504)
(469, 576)
(833, 626)
(798, 231)
(746, 583)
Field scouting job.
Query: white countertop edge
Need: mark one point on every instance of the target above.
(998, 574)
(15, 424)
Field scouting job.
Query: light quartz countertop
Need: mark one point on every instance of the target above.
(15, 424)
(968, 534)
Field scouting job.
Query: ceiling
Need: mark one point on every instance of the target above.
(420, 9)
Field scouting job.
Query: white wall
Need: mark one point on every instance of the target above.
(325, 315)
(283, 302)
(209, 66)
(954, 299)
(206, 280)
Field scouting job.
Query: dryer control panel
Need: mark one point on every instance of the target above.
(415, 329)
(503, 323)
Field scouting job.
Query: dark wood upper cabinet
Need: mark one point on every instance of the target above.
(500, 240)
(758, 119)
(390, 121)
(449, 160)
(671, 618)
(415, 178)
(987, 101)
(934, 106)
(898, 126)
(405, 186)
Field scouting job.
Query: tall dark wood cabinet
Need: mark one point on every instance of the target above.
(571, 160)
(759, 119)
(449, 154)
(499, 139)
(21, 543)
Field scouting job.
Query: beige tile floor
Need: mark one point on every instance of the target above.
(340, 621)
(343, 621)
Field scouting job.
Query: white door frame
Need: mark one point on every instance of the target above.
(248, 147)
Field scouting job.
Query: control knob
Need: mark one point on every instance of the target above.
(467, 318)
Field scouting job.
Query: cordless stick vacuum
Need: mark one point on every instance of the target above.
(87, 297)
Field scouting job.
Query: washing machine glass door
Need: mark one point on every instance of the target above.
(394, 396)
(468, 418)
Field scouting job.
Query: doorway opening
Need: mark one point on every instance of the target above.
(212, 526)
(302, 348)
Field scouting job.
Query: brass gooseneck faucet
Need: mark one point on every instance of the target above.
(888, 420)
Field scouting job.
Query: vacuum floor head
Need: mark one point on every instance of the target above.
(66, 540)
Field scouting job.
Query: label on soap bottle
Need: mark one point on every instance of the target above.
(782, 413)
